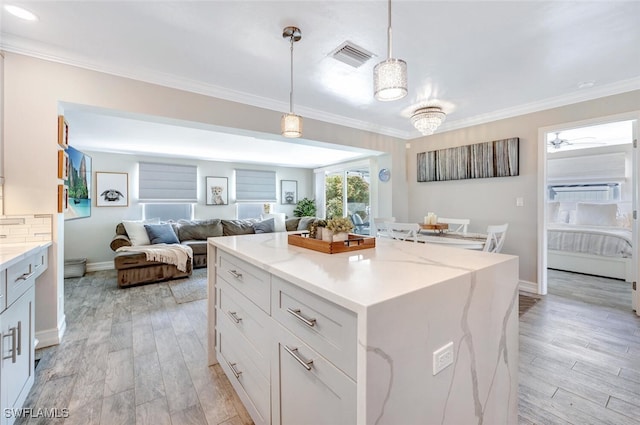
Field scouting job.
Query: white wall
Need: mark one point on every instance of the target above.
(102, 223)
(493, 200)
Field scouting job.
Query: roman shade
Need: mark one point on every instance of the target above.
(255, 185)
(167, 182)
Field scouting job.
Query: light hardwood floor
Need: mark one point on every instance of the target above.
(134, 356)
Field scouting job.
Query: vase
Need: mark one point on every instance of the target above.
(327, 235)
(340, 236)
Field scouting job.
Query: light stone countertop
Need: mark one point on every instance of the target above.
(359, 279)
(12, 253)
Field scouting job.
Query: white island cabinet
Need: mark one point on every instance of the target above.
(20, 266)
(402, 333)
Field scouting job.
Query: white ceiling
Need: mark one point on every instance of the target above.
(479, 60)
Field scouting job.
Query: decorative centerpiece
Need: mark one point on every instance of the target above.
(338, 229)
(315, 229)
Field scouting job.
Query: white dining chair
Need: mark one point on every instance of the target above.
(461, 223)
(380, 227)
(403, 231)
(495, 237)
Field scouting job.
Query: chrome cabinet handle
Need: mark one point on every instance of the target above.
(235, 371)
(13, 354)
(25, 276)
(293, 351)
(234, 316)
(19, 346)
(297, 315)
(235, 274)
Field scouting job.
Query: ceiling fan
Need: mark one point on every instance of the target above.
(558, 142)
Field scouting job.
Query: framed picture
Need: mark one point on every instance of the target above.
(63, 198)
(112, 189)
(80, 184)
(288, 192)
(63, 165)
(63, 132)
(217, 190)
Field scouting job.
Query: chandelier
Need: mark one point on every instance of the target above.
(428, 119)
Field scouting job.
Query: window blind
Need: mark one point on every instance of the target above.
(255, 185)
(167, 182)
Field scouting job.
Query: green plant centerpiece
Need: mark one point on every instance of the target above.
(305, 208)
(313, 228)
(340, 225)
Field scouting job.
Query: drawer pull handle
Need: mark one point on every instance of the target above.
(294, 352)
(235, 371)
(25, 276)
(235, 274)
(19, 346)
(234, 316)
(13, 354)
(297, 315)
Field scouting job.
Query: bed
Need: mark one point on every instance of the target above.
(593, 239)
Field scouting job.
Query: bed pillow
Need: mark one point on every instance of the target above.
(136, 231)
(596, 214)
(161, 233)
(265, 226)
(553, 212)
(279, 219)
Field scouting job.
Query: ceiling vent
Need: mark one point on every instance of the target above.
(351, 54)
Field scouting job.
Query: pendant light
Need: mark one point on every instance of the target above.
(390, 76)
(291, 124)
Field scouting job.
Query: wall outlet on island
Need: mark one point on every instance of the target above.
(442, 357)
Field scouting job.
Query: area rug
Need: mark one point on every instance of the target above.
(190, 289)
(525, 302)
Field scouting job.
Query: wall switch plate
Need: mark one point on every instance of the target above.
(519, 202)
(442, 358)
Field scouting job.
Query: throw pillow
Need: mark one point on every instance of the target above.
(279, 219)
(136, 231)
(596, 214)
(265, 226)
(305, 222)
(237, 227)
(161, 233)
(199, 230)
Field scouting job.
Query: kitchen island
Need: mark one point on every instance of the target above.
(402, 333)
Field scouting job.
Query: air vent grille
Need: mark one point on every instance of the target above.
(351, 54)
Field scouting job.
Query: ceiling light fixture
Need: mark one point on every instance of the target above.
(428, 119)
(390, 76)
(20, 12)
(291, 124)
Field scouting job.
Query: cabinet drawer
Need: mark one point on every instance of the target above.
(40, 261)
(324, 326)
(248, 279)
(248, 320)
(314, 392)
(20, 277)
(236, 359)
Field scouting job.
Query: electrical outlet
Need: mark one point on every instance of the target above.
(519, 202)
(442, 358)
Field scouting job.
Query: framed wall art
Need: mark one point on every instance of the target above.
(63, 132)
(63, 198)
(217, 190)
(112, 189)
(80, 184)
(288, 192)
(63, 165)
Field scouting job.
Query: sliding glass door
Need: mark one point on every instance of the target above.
(347, 194)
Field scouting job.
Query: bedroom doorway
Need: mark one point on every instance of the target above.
(588, 195)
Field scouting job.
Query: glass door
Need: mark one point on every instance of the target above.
(348, 194)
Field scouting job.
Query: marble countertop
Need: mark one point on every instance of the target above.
(11, 253)
(358, 279)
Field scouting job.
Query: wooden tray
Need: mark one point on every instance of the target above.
(437, 226)
(354, 243)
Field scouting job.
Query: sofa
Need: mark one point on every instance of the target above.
(134, 269)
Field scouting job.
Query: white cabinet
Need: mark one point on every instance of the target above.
(17, 331)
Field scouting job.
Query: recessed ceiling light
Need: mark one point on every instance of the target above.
(20, 13)
(586, 84)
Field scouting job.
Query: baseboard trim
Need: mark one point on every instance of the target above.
(104, 265)
(526, 286)
(53, 336)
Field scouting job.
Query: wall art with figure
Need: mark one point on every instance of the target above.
(79, 184)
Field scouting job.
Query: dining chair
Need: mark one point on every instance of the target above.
(380, 227)
(461, 223)
(495, 237)
(403, 231)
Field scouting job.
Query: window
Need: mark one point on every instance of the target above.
(167, 211)
(167, 182)
(601, 192)
(255, 185)
(249, 210)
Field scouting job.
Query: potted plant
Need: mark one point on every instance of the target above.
(315, 229)
(340, 228)
(305, 208)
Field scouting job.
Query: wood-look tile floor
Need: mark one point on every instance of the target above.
(580, 354)
(134, 356)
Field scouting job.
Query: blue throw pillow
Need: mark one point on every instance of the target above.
(265, 226)
(161, 233)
